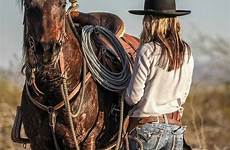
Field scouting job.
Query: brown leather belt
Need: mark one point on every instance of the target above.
(171, 118)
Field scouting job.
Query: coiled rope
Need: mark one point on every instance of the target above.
(112, 81)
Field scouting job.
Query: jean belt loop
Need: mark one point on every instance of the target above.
(165, 118)
(181, 110)
(158, 120)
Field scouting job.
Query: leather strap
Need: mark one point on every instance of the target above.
(172, 118)
(59, 105)
(130, 45)
(62, 103)
(160, 119)
(16, 130)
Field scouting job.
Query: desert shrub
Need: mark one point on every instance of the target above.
(207, 115)
(9, 98)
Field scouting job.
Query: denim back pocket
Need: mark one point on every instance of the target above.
(150, 136)
(178, 130)
(178, 135)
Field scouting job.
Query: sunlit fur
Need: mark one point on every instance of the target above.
(96, 123)
(166, 32)
(43, 20)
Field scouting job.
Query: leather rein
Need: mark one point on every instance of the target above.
(58, 62)
(32, 67)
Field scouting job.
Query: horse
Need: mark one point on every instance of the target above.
(53, 56)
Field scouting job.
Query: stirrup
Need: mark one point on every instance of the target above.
(16, 130)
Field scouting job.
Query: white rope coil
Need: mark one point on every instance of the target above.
(113, 81)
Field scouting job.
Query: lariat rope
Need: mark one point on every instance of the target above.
(64, 91)
(112, 81)
(118, 143)
(115, 82)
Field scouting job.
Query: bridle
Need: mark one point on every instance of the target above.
(58, 62)
(33, 65)
(32, 68)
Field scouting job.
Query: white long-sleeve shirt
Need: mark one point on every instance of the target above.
(155, 90)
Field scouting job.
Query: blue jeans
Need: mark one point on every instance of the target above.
(158, 137)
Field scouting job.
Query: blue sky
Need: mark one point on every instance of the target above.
(210, 17)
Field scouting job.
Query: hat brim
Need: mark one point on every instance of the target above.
(162, 13)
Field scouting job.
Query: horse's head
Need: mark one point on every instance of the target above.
(45, 24)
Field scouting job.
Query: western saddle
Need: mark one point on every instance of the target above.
(107, 20)
(111, 22)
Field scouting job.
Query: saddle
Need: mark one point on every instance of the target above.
(111, 22)
(107, 20)
(117, 27)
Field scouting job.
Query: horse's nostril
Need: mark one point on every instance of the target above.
(52, 46)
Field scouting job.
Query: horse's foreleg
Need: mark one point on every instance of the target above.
(90, 142)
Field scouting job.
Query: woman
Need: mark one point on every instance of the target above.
(161, 78)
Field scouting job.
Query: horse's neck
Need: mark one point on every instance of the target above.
(72, 57)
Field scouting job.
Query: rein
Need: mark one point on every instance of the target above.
(31, 80)
(32, 67)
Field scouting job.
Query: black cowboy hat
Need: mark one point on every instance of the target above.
(164, 8)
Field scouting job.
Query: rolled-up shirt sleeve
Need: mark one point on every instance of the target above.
(141, 69)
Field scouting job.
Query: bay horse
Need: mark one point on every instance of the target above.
(51, 49)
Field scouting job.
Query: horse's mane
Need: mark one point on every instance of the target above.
(21, 3)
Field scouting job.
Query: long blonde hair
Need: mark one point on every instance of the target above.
(166, 33)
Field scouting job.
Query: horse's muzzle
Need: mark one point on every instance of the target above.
(53, 46)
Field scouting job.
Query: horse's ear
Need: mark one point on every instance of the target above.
(21, 3)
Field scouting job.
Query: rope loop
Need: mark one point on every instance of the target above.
(112, 81)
